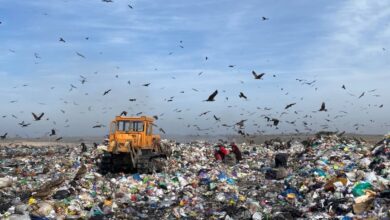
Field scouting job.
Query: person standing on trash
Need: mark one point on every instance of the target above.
(220, 152)
(236, 152)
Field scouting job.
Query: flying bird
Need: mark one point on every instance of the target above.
(106, 92)
(2, 137)
(131, 7)
(107, 1)
(204, 113)
(37, 118)
(264, 18)
(146, 84)
(343, 87)
(361, 95)
(80, 55)
(58, 139)
(275, 121)
(231, 66)
(132, 100)
(161, 130)
(323, 109)
(53, 132)
(212, 96)
(23, 124)
(216, 118)
(62, 40)
(257, 76)
(124, 113)
(242, 96)
(290, 105)
(37, 56)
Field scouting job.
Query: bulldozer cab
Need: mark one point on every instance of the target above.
(138, 131)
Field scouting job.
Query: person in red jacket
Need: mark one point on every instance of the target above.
(221, 152)
(236, 151)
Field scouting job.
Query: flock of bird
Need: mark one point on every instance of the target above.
(270, 120)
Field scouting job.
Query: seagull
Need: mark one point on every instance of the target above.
(212, 96)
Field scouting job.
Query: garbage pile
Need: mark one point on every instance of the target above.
(320, 178)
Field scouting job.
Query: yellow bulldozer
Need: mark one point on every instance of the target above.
(132, 146)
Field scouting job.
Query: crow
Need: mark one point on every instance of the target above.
(53, 132)
(106, 92)
(257, 76)
(216, 118)
(242, 96)
(212, 96)
(37, 118)
(343, 87)
(264, 18)
(323, 109)
(290, 105)
(2, 137)
(62, 39)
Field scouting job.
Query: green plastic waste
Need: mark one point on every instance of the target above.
(360, 188)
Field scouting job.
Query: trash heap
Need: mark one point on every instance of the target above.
(323, 177)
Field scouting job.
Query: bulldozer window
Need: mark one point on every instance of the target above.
(123, 125)
(137, 126)
(150, 127)
(113, 127)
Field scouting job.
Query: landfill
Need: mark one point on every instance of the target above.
(323, 177)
